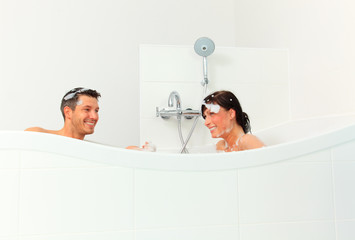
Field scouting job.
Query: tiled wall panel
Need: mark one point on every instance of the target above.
(258, 77)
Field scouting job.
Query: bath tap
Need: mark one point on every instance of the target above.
(176, 95)
(178, 112)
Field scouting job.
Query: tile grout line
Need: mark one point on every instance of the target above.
(134, 204)
(334, 198)
(238, 206)
(19, 194)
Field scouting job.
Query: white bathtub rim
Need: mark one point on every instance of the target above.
(32, 141)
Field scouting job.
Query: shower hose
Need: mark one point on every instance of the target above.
(184, 143)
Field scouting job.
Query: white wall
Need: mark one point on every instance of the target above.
(48, 47)
(258, 77)
(320, 37)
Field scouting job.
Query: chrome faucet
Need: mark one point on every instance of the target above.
(176, 95)
(178, 112)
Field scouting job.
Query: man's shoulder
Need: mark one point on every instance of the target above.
(37, 129)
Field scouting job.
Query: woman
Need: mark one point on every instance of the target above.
(225, 119)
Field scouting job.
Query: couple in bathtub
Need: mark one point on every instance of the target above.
(221, 110)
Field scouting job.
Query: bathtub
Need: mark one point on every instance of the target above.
(299, 187)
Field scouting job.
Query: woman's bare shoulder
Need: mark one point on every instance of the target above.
(221, 145)
(250, 141)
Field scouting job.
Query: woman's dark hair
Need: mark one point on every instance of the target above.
(228, 100)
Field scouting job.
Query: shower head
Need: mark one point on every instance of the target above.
(204, 46)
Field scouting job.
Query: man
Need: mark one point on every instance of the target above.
(80, 110)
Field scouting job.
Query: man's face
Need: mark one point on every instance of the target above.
(85, 115)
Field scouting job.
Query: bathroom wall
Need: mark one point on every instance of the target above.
(320, 38)
(49, 47)
(258, 77)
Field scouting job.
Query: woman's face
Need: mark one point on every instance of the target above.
(220, 122)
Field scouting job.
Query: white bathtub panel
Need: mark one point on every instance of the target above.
(76, 200)
(208, 233)
(9, 237)
(9, 188)
(344, 179)
(181, 199)
(346, 230)
(40, 160)
(9, 159)
(320, 156)
(129, 235)
(344, 152)
(286, 192)
(289, 231)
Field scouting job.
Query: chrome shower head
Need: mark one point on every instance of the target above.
(204, 46)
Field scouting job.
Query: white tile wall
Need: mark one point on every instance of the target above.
(169, 67)
(156, 94)
(258, 77)
(180, 199)
(286, 192)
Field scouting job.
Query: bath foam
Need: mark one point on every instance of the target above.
(228, 130)
(212, 107)
(71, 95)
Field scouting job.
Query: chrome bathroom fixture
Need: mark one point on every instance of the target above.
(204, 47)
(178, 112)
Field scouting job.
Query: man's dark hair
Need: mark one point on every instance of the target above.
(70, 99)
